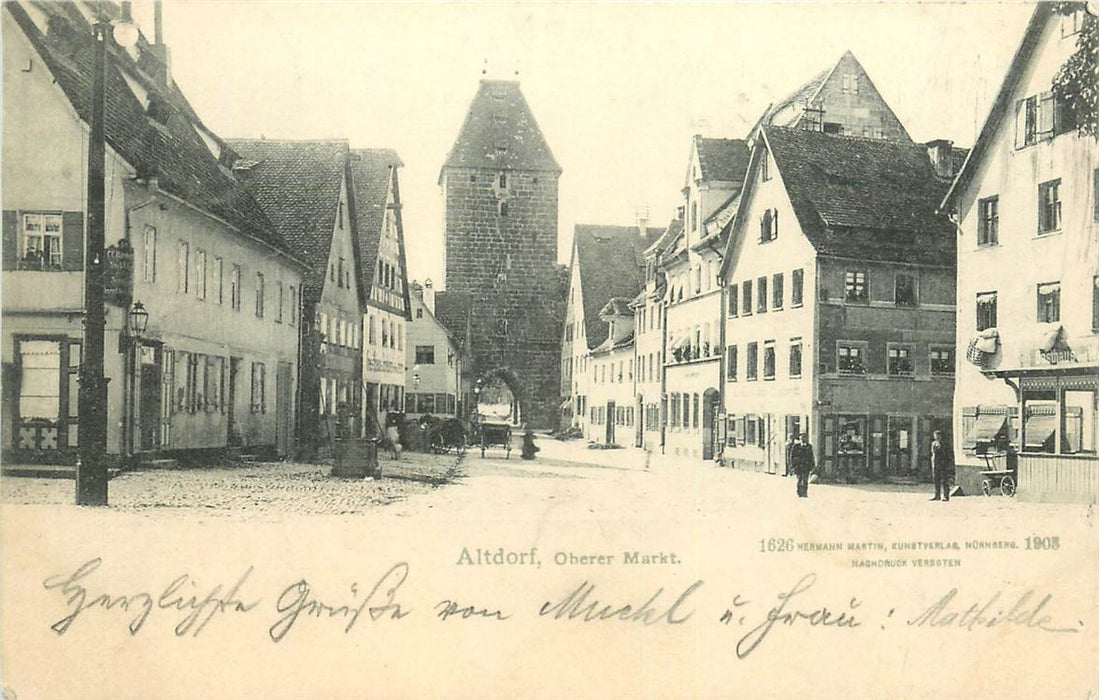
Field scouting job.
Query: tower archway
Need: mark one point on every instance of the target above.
(499, 396)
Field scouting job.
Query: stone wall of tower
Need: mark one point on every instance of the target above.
(506, 258)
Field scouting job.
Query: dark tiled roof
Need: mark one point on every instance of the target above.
(802, 95)
(170, 149)
(722, 159)
(371, 176)
(610, 266)
(453, 310)
(666, 237)
(298, 185)
(867, 198)
(500, 133)
(618, 306)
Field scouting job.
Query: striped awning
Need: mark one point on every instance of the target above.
(1038, 429)
(987, 428)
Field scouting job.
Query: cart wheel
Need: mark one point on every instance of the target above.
(986, 486)
(1007, 486)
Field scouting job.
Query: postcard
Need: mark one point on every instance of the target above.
(547, 350)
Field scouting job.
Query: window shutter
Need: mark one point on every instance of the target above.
(72, 240)
(11, 239)
(1045, 116)
(1020, 123)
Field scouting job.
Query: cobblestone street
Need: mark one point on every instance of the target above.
(279, 487)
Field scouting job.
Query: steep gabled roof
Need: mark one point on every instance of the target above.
(371, 179)
(666, 237)
(721, 159)
(453, 310)
(617, 306)
(167, 147)
(1001, 106)
(610, 263)
(869, 199)
(298, 185)
(809, 94)
(500, 133)
(716, 225)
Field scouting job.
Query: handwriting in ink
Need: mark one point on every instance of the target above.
(821, 616)
(1024, 613)
(445, 609)
(201, 611)
(78, 600)
(297, 599)
(576, 604)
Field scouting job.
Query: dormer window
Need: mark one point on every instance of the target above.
(158, 110)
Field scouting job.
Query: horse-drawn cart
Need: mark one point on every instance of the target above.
(496, 435)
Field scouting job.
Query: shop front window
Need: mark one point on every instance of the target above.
(1079, 421)
(1039, 421)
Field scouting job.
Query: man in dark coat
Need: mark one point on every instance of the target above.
(942, 466)
(801, 459)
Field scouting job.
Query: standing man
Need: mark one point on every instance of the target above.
(942, 466)
(801, 459)
(791, 440)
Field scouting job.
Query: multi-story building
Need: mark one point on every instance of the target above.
(839, 304)
(1028, 276)
(216, 365)
(612, 389)
(690, 261)
(843, 101)
(605, 265)
(376, 204)
(303, 187)
(648, 308)
(499, 186)
(435, 362)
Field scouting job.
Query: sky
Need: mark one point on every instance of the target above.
(618, 89)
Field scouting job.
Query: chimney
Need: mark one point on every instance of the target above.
(159, 48)
(429, 295)
(643, 223)
(941, 153)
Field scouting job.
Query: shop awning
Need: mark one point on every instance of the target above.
(987, 428)
(1038, 429)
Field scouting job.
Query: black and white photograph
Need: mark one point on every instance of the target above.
(358, 349)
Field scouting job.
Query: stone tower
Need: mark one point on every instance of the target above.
(499, 186)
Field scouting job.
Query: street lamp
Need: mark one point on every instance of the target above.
(139, 319)
(91, 467)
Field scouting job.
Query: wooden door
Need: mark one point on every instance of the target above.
(150, 366)
(167, 394)
(233, 436)
(284, 408)
(610, 422)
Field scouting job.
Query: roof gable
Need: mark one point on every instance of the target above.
(167, 147)
(869, 199)
(816, 91)
(454, 311)
(720, 159)
(373, 175)
(1028, 45)
(298, 184)
(610, 266)
(500, 133)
